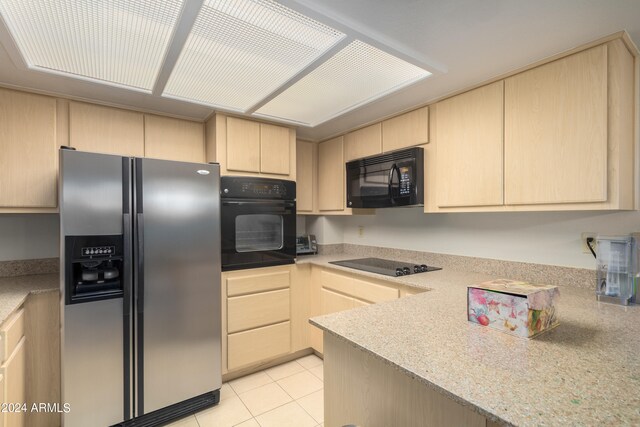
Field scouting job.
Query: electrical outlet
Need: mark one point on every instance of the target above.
(583, 238)
(361, 231)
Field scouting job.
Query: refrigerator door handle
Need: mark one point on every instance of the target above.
(127, 324)
(139, 318)
(140, 263)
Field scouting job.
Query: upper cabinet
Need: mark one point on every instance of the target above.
(307, 155)
(331, 175)
(106, 130)
(29, 159)
(468, 129)
(247, 147)
(556, 131)
(275, 147)
(243, 145)
(406, 130)
(363, 142)
(173, 139)
(568, 138)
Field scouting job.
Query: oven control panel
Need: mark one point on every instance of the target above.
(257, 188)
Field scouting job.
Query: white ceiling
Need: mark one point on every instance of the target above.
(467, 41)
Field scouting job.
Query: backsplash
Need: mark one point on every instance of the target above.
(535, 273)
(25, 267)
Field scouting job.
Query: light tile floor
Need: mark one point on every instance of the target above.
(290, 394)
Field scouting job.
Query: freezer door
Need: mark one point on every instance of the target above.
(92, 202)
(178, 282)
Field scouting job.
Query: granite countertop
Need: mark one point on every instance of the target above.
(586, 371)
(14, 290)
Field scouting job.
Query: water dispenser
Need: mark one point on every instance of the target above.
(94, 268)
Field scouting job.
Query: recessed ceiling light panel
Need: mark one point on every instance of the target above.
(358, 74)
(115, 41)
(240, 51)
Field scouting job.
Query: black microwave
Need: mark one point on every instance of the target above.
(386, 180)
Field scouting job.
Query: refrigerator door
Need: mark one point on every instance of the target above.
(92, 203)
(177, 282)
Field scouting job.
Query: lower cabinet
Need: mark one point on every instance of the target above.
(266, 311)
(30, 362)
(256, 316)
(13, 364)
(336, 291)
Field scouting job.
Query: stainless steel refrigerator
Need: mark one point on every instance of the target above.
(140, 288)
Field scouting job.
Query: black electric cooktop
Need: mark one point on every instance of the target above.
(385, 266)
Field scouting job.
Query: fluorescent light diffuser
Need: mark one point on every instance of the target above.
(240, 51)
(116, 41)
(358, 74)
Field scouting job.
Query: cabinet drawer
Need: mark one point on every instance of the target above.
(372, 292)
(255, 310)
(251, 284)
(357, 288)
(256, 345)
(10, 334)
(336, 282)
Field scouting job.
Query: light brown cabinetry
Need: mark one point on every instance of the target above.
(243, 145)
(29, 161)
(173, 139)
(363, 142)
(256, 316)
(335, 291)
(468, 129)
(568, 138)
(274, 150)
(248, 147)
(307, 172)
(331, 175)
(406, 130)
(13, 368)
(556, 131)
(108, 130)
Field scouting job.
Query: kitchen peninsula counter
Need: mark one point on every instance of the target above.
(586, 371)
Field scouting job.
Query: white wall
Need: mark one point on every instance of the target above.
(538, 237)
(28, 236)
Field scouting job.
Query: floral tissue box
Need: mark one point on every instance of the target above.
(518, 308)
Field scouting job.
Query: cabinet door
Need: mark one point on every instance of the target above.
(406, 130)
(274, 149)
(331, 172)
(106, 130)
(243, 145)
(306, 168)
(363, 142)
(333, 302)
(173, 139)
(556, 131)
(14, 383)
(469, 149)
(29, 160)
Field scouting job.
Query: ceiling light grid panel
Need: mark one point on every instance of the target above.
(241, 51)
(357, 75)
(120, 42)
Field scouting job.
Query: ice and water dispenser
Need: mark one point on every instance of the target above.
(94, 268)
(618, 269)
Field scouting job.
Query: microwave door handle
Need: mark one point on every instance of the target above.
(391, 171)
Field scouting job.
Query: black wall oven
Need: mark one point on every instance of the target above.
(386, 180)
(258, 222)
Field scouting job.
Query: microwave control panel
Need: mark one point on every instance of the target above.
(405, 180)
